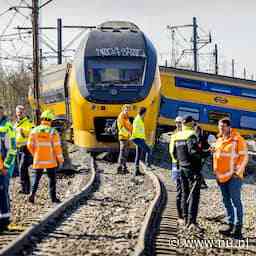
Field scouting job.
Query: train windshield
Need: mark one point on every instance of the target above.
(115, 71)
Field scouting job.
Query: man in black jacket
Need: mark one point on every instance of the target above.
(187, 152)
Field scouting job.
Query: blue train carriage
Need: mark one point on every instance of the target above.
(207, 98)
(115, 64)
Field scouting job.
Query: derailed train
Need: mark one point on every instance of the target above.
(116, 64)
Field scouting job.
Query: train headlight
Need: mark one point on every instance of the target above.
(113, 91)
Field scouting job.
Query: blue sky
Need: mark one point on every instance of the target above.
(230, 21)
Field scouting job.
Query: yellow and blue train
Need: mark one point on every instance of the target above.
(208, 98)
(115, 64)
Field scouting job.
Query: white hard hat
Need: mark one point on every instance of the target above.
(178, 119)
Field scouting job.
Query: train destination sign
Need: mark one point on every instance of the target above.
(123, 52)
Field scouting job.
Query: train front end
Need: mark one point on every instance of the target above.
(115, 64)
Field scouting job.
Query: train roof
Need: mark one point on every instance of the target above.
(202, 75)
(118, 24)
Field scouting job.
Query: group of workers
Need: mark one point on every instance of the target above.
(134, 132)
(40, 147)
(230, 157)
(24, 145)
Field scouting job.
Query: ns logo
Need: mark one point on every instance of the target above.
(222, 100)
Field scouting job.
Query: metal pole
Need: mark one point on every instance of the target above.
(35, 11)
(195, 43)
(233, 68)
(244, 73)
(216, 59)
(59, 40)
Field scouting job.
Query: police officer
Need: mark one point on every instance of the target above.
(176, 177)
(45, 146)
(187, 153)
(138, 138)
(124, 134)
(7, 162)
(23, 127)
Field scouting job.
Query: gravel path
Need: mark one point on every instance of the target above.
(211, 215)
(108, 223)
(23, 213)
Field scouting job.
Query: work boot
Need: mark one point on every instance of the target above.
(237, 232)
(4, 224)
(227, 231)
(137, 171)
(119, 169)
(125, 170)
(203, 184)
(31, 198)
(56, 200)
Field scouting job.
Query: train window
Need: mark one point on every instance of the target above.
(187, 111)
(115, 71)
(248, 93)
(219, 88)
(248, 122)
(215, 116)
(188, 83)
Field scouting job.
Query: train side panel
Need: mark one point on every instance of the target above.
(207, 100)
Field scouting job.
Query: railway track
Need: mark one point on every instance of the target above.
(13, 242)
(102, 222)
(160, 225)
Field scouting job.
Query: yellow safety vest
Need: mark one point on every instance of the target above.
(24, 125)
(138, 131)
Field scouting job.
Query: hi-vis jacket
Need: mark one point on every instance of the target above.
(7, 144)
(138, 129)
(124, 127)
(186, 149)
(171, 146)
(45, 146)
(22, 129)
(230, 157)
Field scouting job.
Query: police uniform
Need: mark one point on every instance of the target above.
(187, 153)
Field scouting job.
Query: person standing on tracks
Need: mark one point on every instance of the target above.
(204, 146)
(138, 138)
(7, 162)
(23, 126)
(176, 177)
(45, 146)
(229, 161)
(187, 153)
(124, 134)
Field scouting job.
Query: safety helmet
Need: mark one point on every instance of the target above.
(47, 114)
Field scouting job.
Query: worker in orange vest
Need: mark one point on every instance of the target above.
(124, 134)
(229, 161)
(45, 146)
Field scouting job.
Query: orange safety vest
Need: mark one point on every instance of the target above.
(230, 157)
(45, 146)
(1, 163)
(124, 127)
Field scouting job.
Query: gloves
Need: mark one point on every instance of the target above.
(175, 173)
